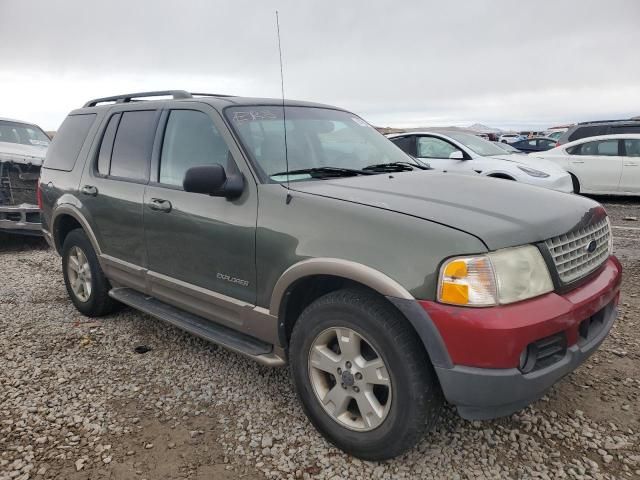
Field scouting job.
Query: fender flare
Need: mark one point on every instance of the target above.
(337, 267)
(377, 281)
(72, 211)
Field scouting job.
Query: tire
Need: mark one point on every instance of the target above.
(576, 183)
(98, 302)
(413, 397)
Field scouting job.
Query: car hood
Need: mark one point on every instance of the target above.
(530, 161)
(498, 212)
(25, 154)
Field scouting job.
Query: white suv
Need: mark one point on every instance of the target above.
(510, 138)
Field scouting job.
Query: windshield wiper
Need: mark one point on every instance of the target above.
(323, 172)
(396, 167)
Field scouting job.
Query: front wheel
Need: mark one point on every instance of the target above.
(362, 375)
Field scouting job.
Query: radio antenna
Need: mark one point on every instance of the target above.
(284, 114)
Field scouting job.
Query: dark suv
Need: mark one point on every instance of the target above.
(294, 232)
(596, 128)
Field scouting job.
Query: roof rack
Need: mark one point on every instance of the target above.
(132, 97)
(596, 122)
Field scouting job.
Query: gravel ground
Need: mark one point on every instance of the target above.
(78, 402)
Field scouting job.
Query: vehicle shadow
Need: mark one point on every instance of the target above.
(618, 199)
(21, 243)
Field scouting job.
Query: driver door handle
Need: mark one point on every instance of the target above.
(160, 205)
(577, 161)
(89, 190)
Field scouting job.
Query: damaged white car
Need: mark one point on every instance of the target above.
(23, 147)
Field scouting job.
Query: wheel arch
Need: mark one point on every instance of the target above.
(310, 279)
(66, 218)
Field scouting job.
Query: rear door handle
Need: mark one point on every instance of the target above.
(160, 205)
(89, 190)
(630, 164)
(577, 161)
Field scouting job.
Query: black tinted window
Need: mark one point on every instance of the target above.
(132, 147)
(584, 132)
(626, 129)
(191, 139)
(408, 144)
(106, 147)
(68, 141)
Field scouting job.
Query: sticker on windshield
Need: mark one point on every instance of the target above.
(251, 115)
(359, 121)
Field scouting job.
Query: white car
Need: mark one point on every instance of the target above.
(606, 164)
(510, 138)
(463, 152)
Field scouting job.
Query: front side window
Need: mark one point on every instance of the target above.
(632, 147)
(479, 145)
(133, 144)
(596, 148)
(432, 147)
(191, 139)
(316, 138)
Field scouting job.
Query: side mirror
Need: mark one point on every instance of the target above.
(212, 180)
(457, 155)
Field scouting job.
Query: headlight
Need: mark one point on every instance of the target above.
(500, 277)
(533, 172)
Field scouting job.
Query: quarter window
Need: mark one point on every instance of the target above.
(106, 147)
(67, 143)
(431, 147)
(133, 143)
(191, 139)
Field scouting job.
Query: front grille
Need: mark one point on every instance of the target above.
(570, 254)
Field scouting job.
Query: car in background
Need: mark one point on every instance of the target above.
(603, 165)
(598, 128)
(23, 147)
(538, 144)
(555, 135)
(462, 152)
(510, 137)
(507, 147)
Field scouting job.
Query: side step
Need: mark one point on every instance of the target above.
(226, 337)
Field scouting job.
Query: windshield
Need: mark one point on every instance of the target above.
(22, 133)
(478, 145)
(317, 138)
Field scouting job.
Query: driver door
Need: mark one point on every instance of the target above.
(201, 249)
(436, 151)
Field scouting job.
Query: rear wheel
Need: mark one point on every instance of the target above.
(86, 284)
(362, 375)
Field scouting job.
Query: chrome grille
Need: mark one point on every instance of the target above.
(570, 255)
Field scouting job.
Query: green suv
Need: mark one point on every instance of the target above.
(293, 232)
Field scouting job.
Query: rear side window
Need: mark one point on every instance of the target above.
(625, 129)
(106, 147)
(632, 147)
(65, 148)
(133, 144)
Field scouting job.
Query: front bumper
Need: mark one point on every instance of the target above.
(485, 344)
(560, 183)
(22, 219)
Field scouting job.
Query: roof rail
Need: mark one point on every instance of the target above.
(129, 97)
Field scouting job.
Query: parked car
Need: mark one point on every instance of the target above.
(508, 148)
(22, 150)
(555, 135)
(607, 164)
(538, 144)
(510, 137)
(462, 152)
(386, 286)
(595, 129)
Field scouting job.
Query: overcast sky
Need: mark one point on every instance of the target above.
(404, 63)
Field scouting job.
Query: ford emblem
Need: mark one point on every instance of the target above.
(591, 246)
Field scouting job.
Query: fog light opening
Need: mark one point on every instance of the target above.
(527, 359)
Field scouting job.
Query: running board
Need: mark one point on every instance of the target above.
(226, 337)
